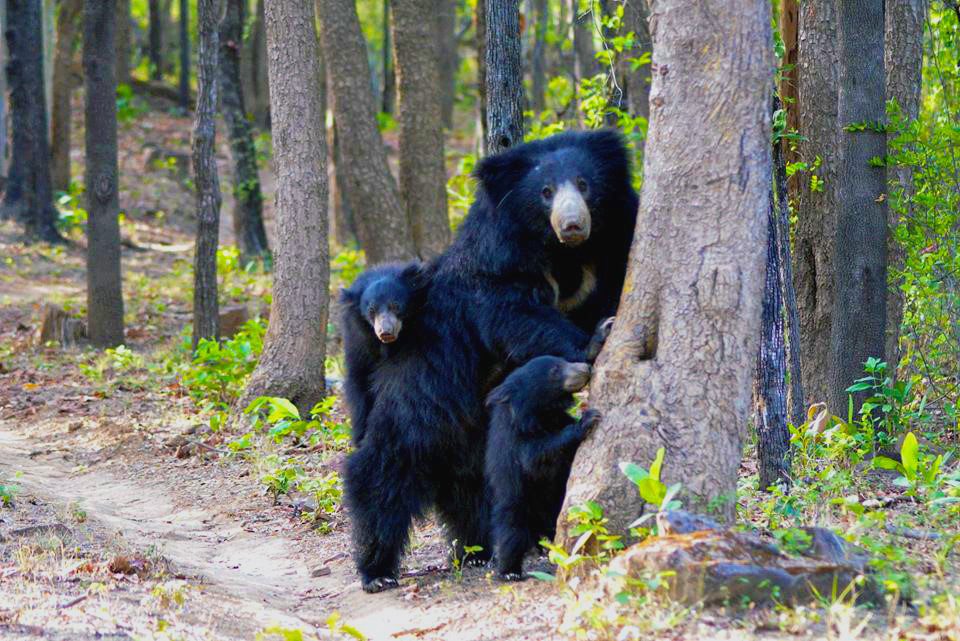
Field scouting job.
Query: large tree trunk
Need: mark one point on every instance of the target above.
(860, 263)
(104, 282)
(538, 72)
(123, 41)
(291, 365)
(248, 199)
(156, 40)
(504, 72)
(449, 58)
(206, 316)
(903, 54)
(28, 196)
(770, 384)
(816, 216)
(68, 31)
(381, 221)
(676, 371)
(423, 177)
(184, 54)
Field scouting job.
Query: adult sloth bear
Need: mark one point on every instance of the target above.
(492, 305)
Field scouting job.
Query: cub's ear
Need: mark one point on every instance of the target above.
(499, 174)
(348, 296)
(499, 396)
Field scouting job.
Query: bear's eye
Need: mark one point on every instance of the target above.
(393, 307)
(582, 185)
(547, 193)
(371, 311)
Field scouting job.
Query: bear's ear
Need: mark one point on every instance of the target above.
(499, 174)
(348, 296)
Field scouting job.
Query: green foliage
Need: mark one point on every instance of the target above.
(918, 471)
(8, 491)
(129, 106)
(281, 420)
(886, 406)
(594, 542)
(347, 265)
(72, 216)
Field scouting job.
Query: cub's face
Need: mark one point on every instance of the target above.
(384, 305)
(549, 377)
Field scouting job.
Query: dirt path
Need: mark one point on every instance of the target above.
(266, 573)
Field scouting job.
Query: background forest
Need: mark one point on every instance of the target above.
(188, 184)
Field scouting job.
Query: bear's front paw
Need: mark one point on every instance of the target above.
(511, 576)
(380, 584)
(603, 328)
(589, 420)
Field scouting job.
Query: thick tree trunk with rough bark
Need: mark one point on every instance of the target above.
(68, 32)
(382, 224)
(28, 196)
(903, 55)
(248, 199)
(770, 384)
(104, 282)
(423, 177)
(123, 41)
(814, 238)
(184, 85)
(860, 263)
(295, 345)
(448, 57)
(206, 313)
(155, 40)
(504, 76)
(676, 371)
(538, 72)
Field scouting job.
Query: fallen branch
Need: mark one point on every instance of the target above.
(430, 569)
(912, 533)
(71, 603)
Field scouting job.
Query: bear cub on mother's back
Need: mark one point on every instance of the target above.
(530, 449)
(373, 310)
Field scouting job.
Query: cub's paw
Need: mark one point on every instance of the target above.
(589, 420)
(511, 576)
(603, 328)
(380, 584)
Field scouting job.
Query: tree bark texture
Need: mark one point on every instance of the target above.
(585, 60)
(185, 54)
(860, 262)
(3, 92)
(295, 345)
(104, 282)
(253, 65)
(480, 27)
(677, 369)
(903, 56)
(381, 221)
(504, 70)
(770, 384)
(206, 313)
(636, 15)
(123, 41)
(423, 177)
(68, 31)
(344, 226)
(797, 408)
(538, 72)
(248, 198)
(449, 58)
(155, 40)
(815, 234)
(789, 84)
(28, 196)
(388, 88)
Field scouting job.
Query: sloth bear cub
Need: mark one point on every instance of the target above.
(372, 313)
(530, 449)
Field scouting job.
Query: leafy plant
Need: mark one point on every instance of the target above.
(8, 491)
(917, 471)
(885, 406)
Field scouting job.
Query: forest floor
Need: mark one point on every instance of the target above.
(128, 518)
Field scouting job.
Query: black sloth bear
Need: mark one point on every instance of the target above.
(490, 307)
(372, 312)
(530, 449)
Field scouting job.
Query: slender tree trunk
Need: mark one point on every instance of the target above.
(636, 15)
(797, 399)
(156, 40)
(48, 31)
(480, 20)
(423, 177)
(789, 84)
(28, 196)
(123, 41)
(68, 32)
(388, 94)
(248, 199)
(185, 54)
(538, 81)
(770, 384)
(206, 313)
(104, 282)
(815, 235)
(903, 54)
(381, 221)
(291, 365)
(585, 60)
(504, 76)
(4, 56)
(860, 262)
(449, 58)
(676, 371)
(345, 228)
